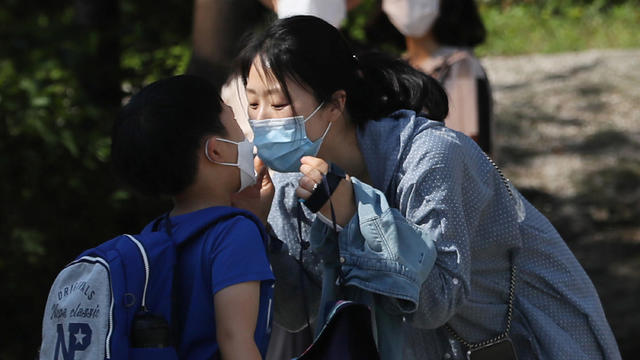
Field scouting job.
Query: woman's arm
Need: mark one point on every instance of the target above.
(236, 309)
(433, 194)
(456, 194)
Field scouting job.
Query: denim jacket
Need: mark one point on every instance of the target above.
(440, 187)
(379, 252)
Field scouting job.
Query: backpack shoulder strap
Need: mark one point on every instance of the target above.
(214, 221)
(442, 72)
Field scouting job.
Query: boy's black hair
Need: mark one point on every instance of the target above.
(158, 133)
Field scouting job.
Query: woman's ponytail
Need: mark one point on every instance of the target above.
(385, 84)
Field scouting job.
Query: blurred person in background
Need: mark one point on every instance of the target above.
(440, 37)
(218, 26)
(332, 11)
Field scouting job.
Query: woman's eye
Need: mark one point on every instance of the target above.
(253, 106)
(279, 106)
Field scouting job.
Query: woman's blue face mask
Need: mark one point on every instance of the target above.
(283, 142)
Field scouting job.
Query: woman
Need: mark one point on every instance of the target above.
(426, 230)
(439, 38)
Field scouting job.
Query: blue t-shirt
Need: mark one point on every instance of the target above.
(212, 257)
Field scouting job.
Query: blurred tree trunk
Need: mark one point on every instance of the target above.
(98, 70)
(218, 29)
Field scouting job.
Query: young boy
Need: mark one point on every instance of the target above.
(176, 138)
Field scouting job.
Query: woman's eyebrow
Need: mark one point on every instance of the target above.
(274, 90)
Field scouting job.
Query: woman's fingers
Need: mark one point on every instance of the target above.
(259, 166)
(312, 173)
(308, 183)
(302, 193)
(306, 186)
(313, 169)
(316, 163)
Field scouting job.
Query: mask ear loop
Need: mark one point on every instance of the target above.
(326, 131)
(314, 112)
(206, 152)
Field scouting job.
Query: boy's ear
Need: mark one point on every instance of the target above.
(213, 150)
(338, 102)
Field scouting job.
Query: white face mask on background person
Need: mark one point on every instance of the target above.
(244, 162)
(412, 18)
(331, 11)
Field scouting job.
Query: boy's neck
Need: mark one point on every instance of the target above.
(194, 199)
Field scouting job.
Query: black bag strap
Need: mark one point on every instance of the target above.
(505, 333)
(512, 288)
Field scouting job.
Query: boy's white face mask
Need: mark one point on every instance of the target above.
(331, 11)
(244, 162)
(411, 17)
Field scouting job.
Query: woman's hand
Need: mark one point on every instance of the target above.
(342, 198)
(257, 198)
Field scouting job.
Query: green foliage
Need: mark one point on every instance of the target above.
(358, 19)
(558, 26)
(535, 26)
(61, 83)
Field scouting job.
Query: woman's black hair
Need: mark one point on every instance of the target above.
(158, 133)
(459, 24)
(315, 54)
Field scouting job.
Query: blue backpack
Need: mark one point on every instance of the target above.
(114, 301)
(93, 301)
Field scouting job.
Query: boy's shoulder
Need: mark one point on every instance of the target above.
(214, 222)
(234, 228)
